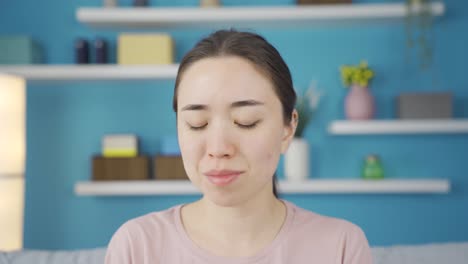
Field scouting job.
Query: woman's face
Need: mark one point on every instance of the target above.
(231, 129)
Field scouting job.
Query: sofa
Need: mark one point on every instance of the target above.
(436, 253)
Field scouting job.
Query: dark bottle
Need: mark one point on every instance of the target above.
(81, 51)
(101, 49)
(140, 2)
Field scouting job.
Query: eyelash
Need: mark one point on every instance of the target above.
(250, 126)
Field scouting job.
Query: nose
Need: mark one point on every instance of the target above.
(220, 143)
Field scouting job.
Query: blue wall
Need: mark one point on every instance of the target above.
(65, 123)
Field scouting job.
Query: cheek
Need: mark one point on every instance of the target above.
(187, 139)
(190, 148)
(263, 153)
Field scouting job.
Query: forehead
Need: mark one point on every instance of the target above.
(224, 79)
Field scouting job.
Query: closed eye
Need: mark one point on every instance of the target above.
(249, 126)
(244, 126)
(197, 127)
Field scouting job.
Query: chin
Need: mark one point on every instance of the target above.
(224, 198)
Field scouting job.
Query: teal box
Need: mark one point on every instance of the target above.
(19, 50)
(169, 146)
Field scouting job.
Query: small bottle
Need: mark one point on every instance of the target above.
(101, 50)
(373, 168)
(140, 2)
(81, 51)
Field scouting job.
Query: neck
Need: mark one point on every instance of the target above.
(244, 221)
(239, 230)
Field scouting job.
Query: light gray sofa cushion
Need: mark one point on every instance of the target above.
(441, 253)
(89, 256)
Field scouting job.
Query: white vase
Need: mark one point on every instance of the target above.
(296, 160)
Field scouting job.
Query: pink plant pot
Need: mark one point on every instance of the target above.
(359, 103)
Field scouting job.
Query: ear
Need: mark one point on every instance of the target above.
(289, 131)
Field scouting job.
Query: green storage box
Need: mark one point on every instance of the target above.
(19, 50)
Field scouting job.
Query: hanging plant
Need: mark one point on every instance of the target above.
(419, 20)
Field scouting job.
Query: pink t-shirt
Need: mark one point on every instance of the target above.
(305, 237)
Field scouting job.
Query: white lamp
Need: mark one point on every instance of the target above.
(12, 157)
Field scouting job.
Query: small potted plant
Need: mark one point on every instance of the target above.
(297, 157)
(359, 103)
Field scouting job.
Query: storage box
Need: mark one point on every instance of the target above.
(105, 169)
(19, 50)
(169, 146)
(424, 105)
(145, 49)
(120, 145)
(169, 168)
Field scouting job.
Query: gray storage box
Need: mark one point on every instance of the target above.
(425, 105)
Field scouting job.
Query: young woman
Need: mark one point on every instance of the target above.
(234, 102)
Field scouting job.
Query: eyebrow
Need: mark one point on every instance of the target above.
(233, 105)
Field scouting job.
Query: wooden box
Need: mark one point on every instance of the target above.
(109, 169)
(169, 168)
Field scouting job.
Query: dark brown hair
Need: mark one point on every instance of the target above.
(255, 49)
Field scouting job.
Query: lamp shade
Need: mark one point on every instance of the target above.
(12, 125)
(12, 159)
(11, 213)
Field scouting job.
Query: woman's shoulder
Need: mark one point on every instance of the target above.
(322, 225)
(135, 236)
(329, 237)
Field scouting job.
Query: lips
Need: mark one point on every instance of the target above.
(222, 177)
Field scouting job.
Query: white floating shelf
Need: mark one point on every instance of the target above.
(352, 186)
(416, 126)
(357, 186)
(247, 16)
(138, 188)
(91, 72)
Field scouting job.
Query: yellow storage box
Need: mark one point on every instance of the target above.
(145, 49)
(120, 145)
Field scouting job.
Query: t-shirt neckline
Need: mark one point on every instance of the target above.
(211, 258)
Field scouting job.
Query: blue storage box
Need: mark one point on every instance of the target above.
(169, 146)
(19, 50)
